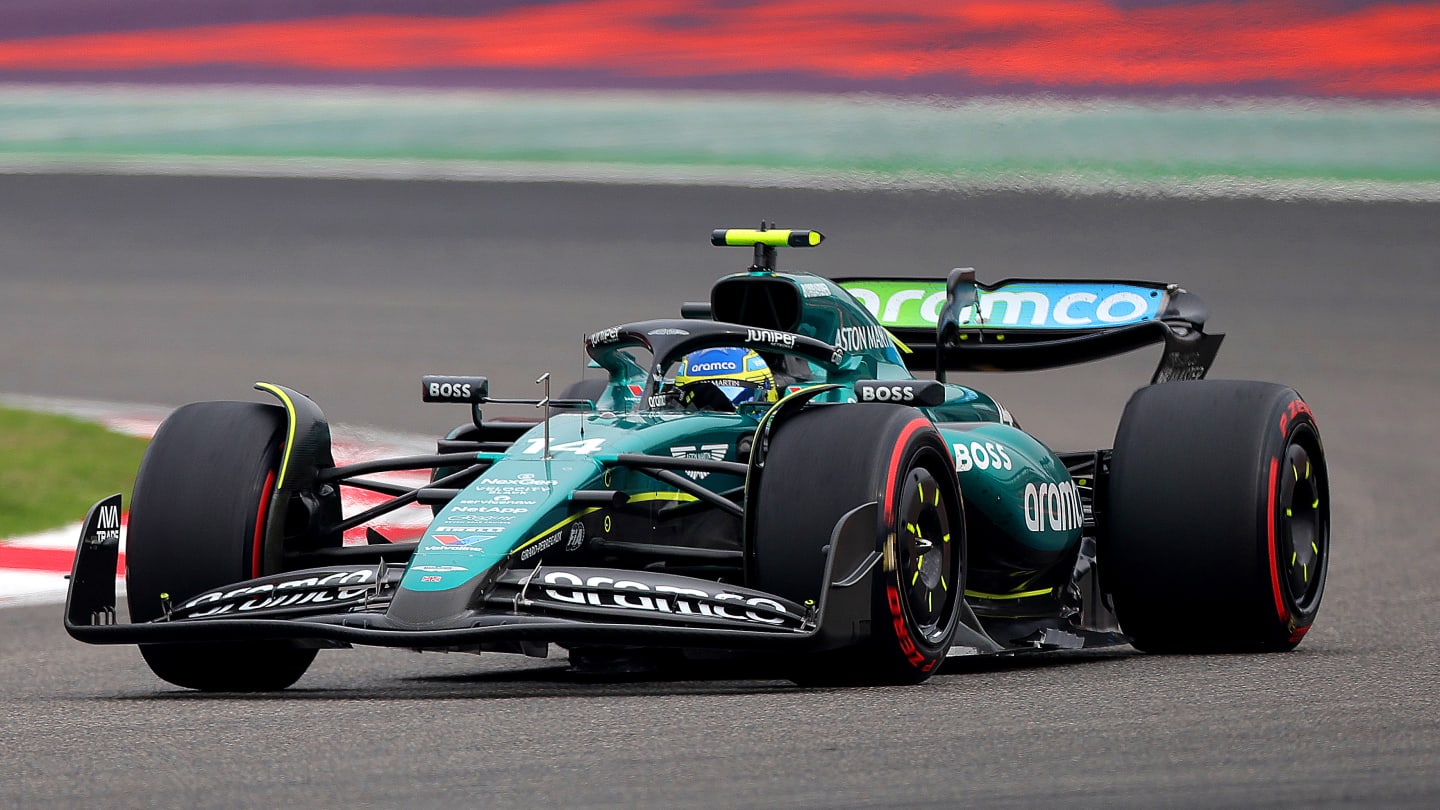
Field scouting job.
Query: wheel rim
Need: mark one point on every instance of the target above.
(927, 553)
(1303, 535)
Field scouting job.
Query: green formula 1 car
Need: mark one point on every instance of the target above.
(763, 477)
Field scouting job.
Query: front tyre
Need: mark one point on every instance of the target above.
(1218, 518)
(825, 462)
(197, 522)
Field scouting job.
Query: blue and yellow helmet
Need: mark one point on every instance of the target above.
(739, 373)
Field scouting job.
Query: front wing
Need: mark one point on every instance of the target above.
(346, 605)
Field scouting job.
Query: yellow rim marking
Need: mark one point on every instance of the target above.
(946, 538)
(921, 489)
(1305, 573)
(1295, 470)
(916, 577)
(1293, 556)
(937, 496)
(943, 586)
(930, 600)
(1316, 504)
(1307, 469)
(1288, 513)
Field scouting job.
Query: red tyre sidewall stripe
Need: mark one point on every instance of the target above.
(895, 456)
(257, 546)
(908, 648)
(1270, 522)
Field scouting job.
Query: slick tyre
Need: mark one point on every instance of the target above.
(197, 522)
(1218, 518)
(825, 462)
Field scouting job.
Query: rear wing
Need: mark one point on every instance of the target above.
(1029, 324)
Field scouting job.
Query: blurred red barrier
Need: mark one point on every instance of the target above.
(1288, 47)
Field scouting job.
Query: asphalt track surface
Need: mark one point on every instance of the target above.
(167, 290)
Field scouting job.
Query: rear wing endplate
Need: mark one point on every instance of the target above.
(1030, 324)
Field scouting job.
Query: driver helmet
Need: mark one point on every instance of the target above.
(740, 374)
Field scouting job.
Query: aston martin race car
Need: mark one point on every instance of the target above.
(764, 477)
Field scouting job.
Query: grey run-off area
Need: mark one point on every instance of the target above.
(167, 290)
(1278, 149)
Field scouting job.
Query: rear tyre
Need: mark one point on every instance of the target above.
(822, 464)
(197, 522)
(1219, 518)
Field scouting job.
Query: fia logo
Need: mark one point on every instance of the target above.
(577, 537)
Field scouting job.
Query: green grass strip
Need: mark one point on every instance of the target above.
(1162, 142)
(53, 468)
